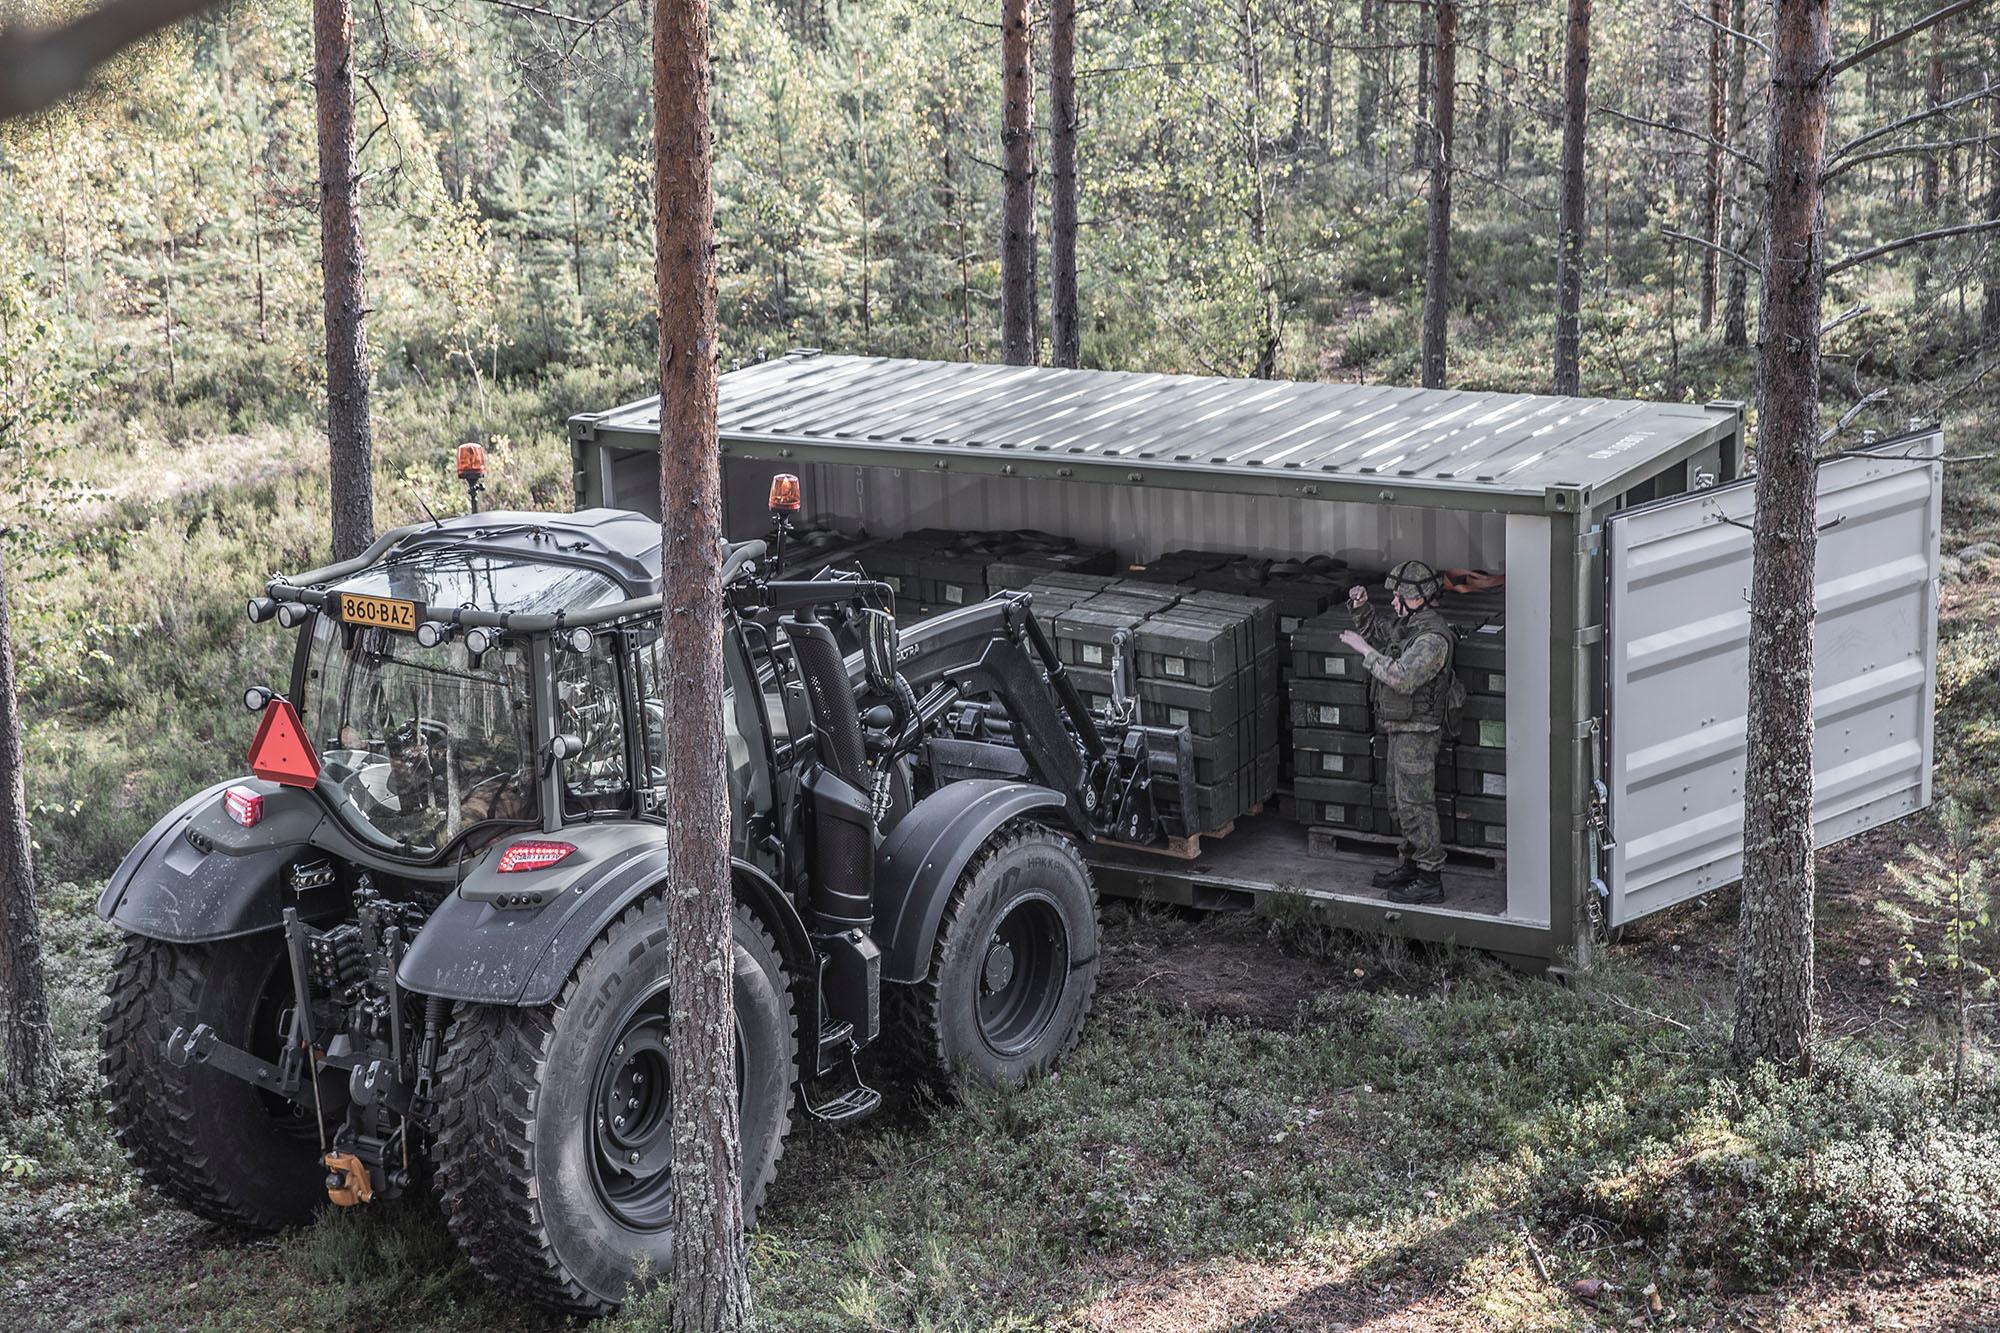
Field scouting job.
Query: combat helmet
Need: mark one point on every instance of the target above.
(1414, 577)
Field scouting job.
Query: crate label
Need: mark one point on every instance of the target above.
(954, 593)
(1328, 713)
(1174, 666)
(1286, 624)
(1335, 814)
(1333, 664)
(895, 582)
(1492, 734)
(1332, 763)
(1177, 717)
(1496, 683)
(1496, 835)
(1098, 703)
(1492, 784)
(1092, 653)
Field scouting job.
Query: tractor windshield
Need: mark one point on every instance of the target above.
(419, 744)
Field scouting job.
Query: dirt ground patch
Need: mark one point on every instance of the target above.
(1221, 967)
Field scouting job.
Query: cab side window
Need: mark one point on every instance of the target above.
(742, 729)
(590, 705)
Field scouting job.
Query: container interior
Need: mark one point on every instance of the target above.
(1499, 863)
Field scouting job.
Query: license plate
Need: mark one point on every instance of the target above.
(358, 608)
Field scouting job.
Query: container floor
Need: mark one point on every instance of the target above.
(1269, 853)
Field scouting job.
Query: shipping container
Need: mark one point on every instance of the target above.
(1616, 698)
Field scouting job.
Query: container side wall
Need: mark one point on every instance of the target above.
(1530, 869)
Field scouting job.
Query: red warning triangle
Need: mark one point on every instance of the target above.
(281, 752)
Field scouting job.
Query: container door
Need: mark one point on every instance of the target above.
(1676, 670)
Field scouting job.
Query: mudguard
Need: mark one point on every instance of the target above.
(199, 876)
(921, 861)
(474, 950)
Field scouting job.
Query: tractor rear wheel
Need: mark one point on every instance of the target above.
(1014, 968)
(222, 1148)
(554, 1143)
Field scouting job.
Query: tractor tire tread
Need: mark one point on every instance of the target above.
(910, 1013)
(149, 1102)
(484, 1147)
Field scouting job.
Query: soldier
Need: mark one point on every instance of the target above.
(1409, 659)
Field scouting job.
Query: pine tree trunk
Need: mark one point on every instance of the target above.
(1064, 331)
(1711, 185)
(1367, 80)
(1265, 363)
(349, 450)
(1774, 985)
(31, 1045)
(1437, 250)
(1736, 306)
(1569, 235)
(1017, 144)
(1989, 317)
(1420, 135)
(709, 1291)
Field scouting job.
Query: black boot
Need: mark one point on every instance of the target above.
(1405, 872)
(1425, 886)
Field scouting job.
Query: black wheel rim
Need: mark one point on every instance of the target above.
(632, 1141)
(1023, 972)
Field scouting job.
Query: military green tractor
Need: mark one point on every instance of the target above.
(421, 946)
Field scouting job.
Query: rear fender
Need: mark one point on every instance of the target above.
(199, 876)
(475, 951)
(919, 865)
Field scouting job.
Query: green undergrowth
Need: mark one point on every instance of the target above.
(1404, 1117)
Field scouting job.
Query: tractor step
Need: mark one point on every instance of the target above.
(858, 1101)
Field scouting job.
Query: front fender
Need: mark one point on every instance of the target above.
(199, 876)
(924, 855)
(474, 951)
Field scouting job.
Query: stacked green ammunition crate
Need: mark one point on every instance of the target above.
(936, 569)
(1203, 661)
(1480, 757)
(1340, 769)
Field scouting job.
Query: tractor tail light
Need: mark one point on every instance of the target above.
(785, 493)
(246, 807)
(533, 854)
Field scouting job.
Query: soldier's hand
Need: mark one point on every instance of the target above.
(1357, 597)
(1357, 643)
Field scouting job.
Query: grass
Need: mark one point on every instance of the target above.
(1333, 1135)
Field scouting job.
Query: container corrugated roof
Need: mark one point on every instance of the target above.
(1520, 444)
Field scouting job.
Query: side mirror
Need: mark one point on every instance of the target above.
(879, 642)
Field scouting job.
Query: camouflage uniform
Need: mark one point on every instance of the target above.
(1411, 667)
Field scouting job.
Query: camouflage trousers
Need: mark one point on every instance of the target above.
(1413, 795)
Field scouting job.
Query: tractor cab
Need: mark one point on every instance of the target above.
(489, 673)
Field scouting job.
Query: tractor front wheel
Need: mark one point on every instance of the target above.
(554, 1143)
(1015, 965)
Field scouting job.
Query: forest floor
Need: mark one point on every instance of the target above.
(1269, 1124)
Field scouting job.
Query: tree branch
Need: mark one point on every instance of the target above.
(1724, 27)
(1847, 417)
(1912, 119)
(1882, 44)
(40, 67)
(1929, 146)
(539, 12)
(1904, 242)
(1722, 250)
(1708, 139)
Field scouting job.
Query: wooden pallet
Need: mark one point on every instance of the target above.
(1325, 840)
(1181, 849)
